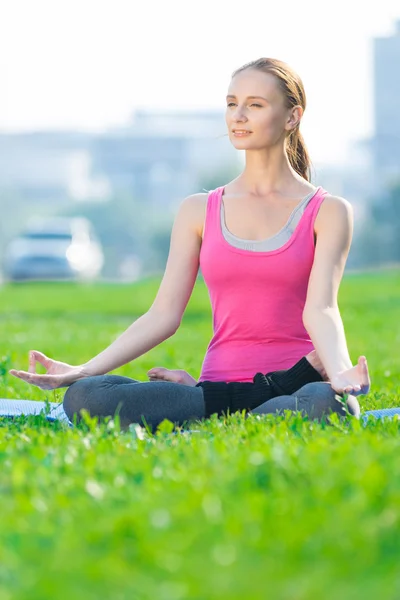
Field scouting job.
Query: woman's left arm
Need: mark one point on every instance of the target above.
(321, 316)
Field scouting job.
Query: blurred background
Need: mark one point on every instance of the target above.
(111, 112)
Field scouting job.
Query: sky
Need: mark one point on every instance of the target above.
(88, 64)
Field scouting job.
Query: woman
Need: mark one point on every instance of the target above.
(272, 249)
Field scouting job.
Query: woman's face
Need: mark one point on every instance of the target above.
(256, 115)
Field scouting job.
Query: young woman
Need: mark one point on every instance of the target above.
(272, 249)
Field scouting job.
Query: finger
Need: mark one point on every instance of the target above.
(339, 389)
(46, 382)
(362, 363)
(348, 389)
(364, 374)
(367, 378)
(158, 377)
(42, 358)
(158, 372)
(20, 374)
(24, 375)
(32, 363)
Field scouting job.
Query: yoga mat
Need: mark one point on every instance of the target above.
(16, 408)
(382, 413)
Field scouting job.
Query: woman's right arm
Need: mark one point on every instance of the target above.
(159, 322)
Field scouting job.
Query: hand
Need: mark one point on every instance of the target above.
(354, 381)
(316, 363)
(58, 374)
(175, 376)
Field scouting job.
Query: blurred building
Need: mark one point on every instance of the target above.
(158, 158)
(385, 144)
(49, 167)
(161, 157)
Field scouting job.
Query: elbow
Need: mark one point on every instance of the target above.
(167, 323)
(312, 313)
(309, 315)
(172, 323)
(169, 327)
(173, 327)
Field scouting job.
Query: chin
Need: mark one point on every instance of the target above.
(242, 144)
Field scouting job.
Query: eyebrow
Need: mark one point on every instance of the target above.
(248, 97)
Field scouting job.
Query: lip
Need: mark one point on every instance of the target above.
(240, 132)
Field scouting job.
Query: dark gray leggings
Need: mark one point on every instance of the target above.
(153, 401)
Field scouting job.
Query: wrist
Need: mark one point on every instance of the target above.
(338, 371)
(85, 370)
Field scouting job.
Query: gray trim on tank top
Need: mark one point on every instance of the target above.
(272, 243)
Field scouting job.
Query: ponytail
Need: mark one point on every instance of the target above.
(297, 154)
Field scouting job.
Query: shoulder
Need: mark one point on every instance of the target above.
(195, 201)
(194, 205)
(192, 210)
(334, 211)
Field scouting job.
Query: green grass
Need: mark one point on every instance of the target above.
(255, 508)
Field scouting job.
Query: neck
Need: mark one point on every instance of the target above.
(267, 171)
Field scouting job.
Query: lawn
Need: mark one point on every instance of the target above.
(258, 508)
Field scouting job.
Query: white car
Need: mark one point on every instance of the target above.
(54, 248)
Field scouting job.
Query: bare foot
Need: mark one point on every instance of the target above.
(175, 376)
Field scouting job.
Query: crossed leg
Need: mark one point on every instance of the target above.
(151, 402)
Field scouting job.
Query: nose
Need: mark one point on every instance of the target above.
(238, 115)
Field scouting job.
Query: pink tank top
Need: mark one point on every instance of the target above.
(257, 298)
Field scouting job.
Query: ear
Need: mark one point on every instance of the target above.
(294, 117)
